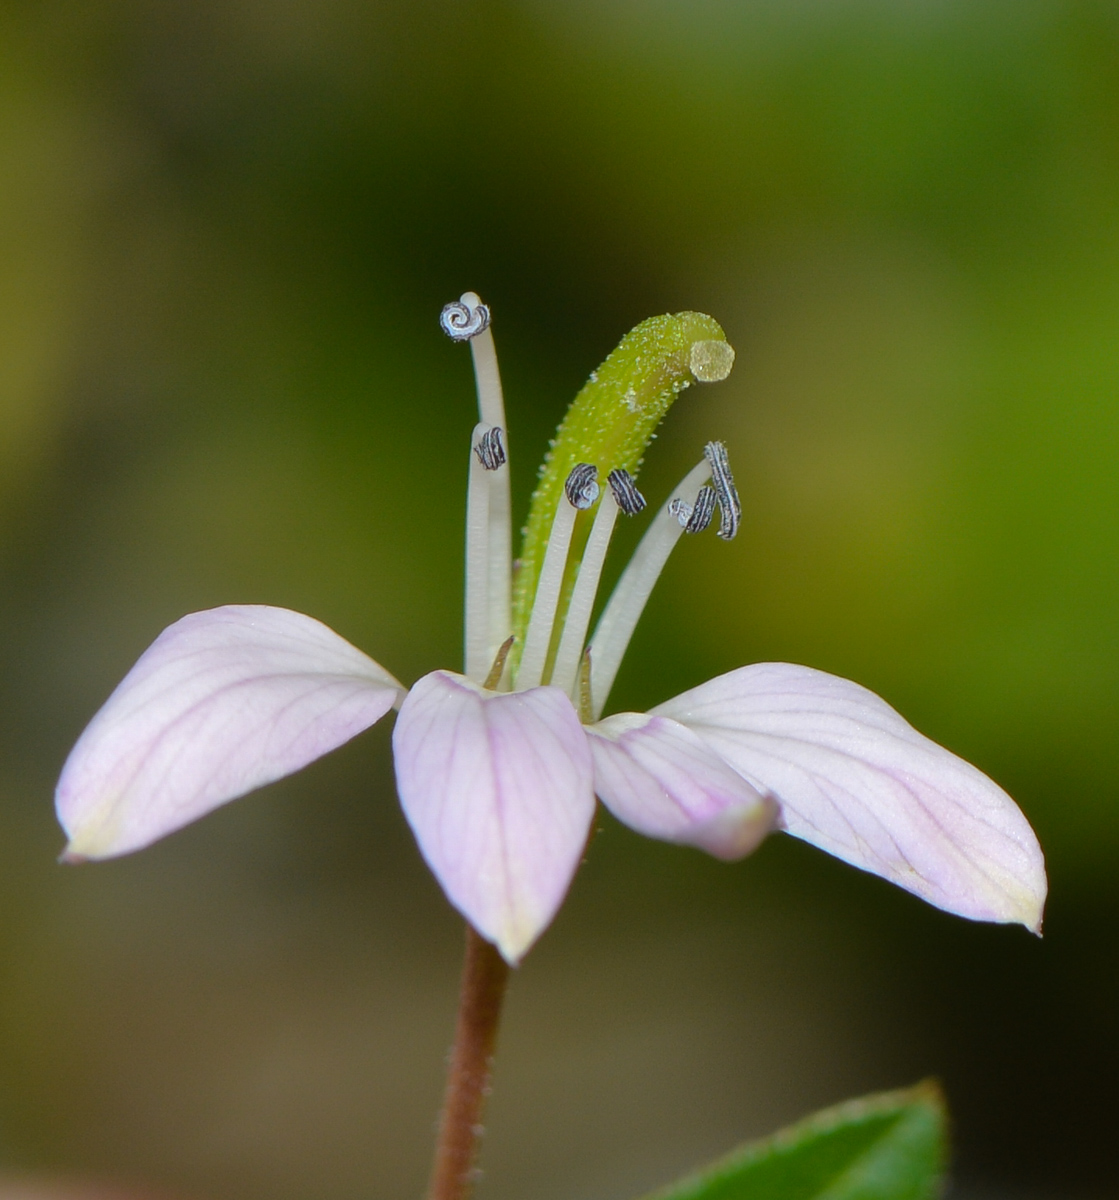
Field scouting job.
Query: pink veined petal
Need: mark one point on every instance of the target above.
(497, 789)
(857, 780)
(222, 702)
(662, 780)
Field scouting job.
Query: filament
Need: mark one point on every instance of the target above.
(491, 403)
(539, 635)
(619, 619)
(476, 634)
(582, 597)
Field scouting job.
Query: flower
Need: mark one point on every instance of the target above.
(497, 768)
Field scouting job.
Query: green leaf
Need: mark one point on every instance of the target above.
(891, 1146)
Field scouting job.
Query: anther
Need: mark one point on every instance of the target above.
(462, 321)
(581, 487)
(628, 498)
(730, 507)
(694, 518)
(491, 449)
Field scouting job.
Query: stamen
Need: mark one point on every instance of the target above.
(498, 668)
(462, 320)
(490, 450)
(538, 637)
(469, 318)
(581, 487)
(582, 596)
(628, 498)
(730, 507)
(619, 620)
(476, 636)
(696, 517)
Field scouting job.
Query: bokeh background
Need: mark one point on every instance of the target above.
(226, 231)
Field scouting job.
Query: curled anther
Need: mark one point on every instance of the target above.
(491, 449)
(702, 511)
(694, 518)
(680, 509)
(462, 321)
(581, 487)
(730, 507)
(626, 495)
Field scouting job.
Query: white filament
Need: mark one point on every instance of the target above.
(539, 635)
(619, 619)
(500, 619)
(491, 405)
(491, 410)
(476, 634)
(582, 597)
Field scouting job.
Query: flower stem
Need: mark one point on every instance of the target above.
(484, 977)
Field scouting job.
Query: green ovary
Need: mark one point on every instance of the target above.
(609, 424)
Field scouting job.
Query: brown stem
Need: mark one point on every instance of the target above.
(484, 976)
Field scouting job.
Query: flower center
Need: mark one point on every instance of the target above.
(547, 607)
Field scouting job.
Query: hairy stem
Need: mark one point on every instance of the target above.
(484, 977)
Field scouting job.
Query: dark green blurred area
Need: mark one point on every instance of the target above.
(226, 231)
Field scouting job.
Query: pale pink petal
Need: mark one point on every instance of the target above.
(662, 780)
(497, 789)
(855, 779)
(222, 702)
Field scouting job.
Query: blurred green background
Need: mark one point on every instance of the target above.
(226, 231)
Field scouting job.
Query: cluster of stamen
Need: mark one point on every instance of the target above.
(557, 651)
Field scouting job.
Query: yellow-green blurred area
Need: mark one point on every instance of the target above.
(226, 231)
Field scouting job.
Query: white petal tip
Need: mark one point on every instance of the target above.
(857, 780)
(497, 789)
(92, 835)
(513, 949)
(658, 777)
(1030, 912)
(221, 703)
(737, 831)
